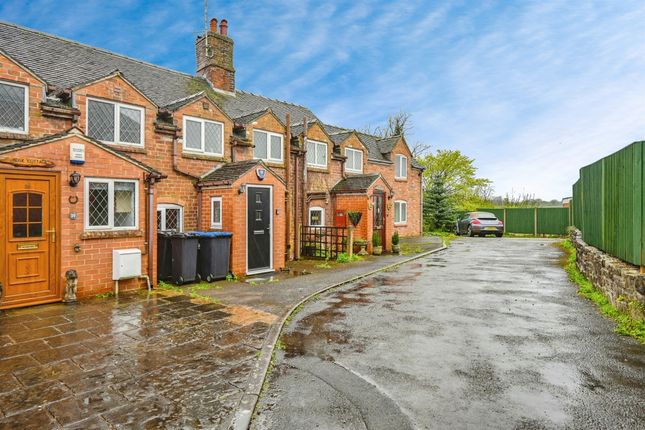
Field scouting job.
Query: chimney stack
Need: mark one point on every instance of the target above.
(215, 59)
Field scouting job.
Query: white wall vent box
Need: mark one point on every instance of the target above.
(126, 263)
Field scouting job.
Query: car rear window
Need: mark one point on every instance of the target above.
(484, 215)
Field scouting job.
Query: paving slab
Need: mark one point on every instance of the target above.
(148, 360)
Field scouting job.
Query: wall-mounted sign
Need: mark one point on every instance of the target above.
(77, 153)
(26, 162)
(261, 173)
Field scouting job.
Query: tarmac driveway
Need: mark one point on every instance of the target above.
(487, 334)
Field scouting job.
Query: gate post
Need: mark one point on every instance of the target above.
(350, 241)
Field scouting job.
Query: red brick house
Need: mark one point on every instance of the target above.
(99, 151)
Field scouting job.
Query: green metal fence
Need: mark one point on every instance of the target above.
(608, 204)
(533, 220)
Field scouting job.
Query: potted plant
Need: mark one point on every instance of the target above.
(354, 217)
(396, 248)
(377, 249)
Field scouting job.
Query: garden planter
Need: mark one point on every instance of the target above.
(377, 250)
(396, 249)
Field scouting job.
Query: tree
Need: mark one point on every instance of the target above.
(438, 212)
(459, 176)
(398, 124)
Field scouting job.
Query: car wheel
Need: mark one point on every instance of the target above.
(470, 232)
(457, 230)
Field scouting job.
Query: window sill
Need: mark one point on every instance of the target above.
(353, 172)
(110, 234)
(318, 169)
(15, 135)
(201, 156)
(216, 227)
(401, 179)
(401, 224)
(273, 163)
(127, 148)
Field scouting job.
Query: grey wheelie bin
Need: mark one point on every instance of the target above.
(184, 257)
(214, 253)
(164, 255)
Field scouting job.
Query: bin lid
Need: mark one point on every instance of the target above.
(186, 235)
(211, 233)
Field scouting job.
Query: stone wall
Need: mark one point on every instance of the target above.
(620, 282)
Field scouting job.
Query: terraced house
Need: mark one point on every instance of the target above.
(99, 151)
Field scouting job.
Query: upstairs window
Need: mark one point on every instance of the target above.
(316, 154)
(115, 122)
(267, 146)
(401, 167)
(354, 163)
(14, 108)
(111, 204)
(203, 136)
(400, 212)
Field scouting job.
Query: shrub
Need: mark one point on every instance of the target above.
(345, 258)
(376, 240)
(395, 238)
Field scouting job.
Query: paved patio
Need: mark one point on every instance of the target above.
(159, 360)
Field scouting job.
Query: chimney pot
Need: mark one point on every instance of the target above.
(223, 28)
(214, 25)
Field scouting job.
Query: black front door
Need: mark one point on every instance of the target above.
(259, 228)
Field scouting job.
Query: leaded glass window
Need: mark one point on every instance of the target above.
(169, 217)
(114, 122)
(203, 136)
(268, 146)
(111, 204)
(27, 215)
(13, 107)
(316, 154)
(216, 212)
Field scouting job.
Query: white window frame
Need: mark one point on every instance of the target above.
(401, 161)
(269, 134)
(162, 207)
(217, 225)
(351, 170)
(316, 143)
(26, 119)
(117, 121)
(110, 182)
(401, 203)
(203, 134)
(322, 216)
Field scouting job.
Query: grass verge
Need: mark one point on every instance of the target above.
(625, 324)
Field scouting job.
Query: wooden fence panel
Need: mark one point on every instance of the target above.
(609, 205)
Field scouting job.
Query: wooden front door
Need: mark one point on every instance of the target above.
(28, 210)
(378, 202)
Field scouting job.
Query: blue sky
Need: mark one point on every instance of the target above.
(533, 90)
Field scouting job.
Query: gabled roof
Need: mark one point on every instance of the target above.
(65, 63)
(356, 183)
(228, 173)
(79, 134)
(248, 119)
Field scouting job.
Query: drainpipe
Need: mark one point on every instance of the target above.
(287, 166)
(304, 174)
(199, 207)
(151, 223)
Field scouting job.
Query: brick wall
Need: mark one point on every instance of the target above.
(234, 218)
(39, 125)
(94, 262)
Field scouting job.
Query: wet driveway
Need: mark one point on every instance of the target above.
(158, 361)
(487, 334)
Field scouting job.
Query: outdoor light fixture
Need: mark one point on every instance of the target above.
(241, 189)
(74, 179)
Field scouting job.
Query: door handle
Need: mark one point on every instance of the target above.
(53, 234)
